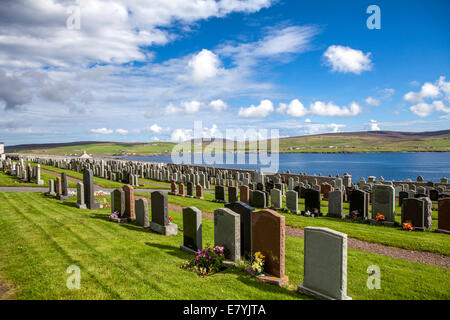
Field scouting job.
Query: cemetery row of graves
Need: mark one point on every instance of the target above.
(251, 240)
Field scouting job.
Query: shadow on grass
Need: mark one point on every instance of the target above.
(173, 251)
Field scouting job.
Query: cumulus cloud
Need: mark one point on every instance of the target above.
(203, 66)
(373, 125)
(155, 128)
(121, 131)
(102, 131)
(260, 111)
(318, 128)
(293, 109)
(180, 135)
(191, 107)
(432, 97)
(186, 107)
(218, 105)
(110, 31)
(347, 60)
(373, 101)
(329, 109)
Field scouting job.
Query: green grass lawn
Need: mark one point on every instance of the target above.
(395, 237)
(41, 237)
(11, 181)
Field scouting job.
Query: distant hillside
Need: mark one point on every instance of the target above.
(348, 142)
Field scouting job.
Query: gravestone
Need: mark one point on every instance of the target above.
(64, 187)
(181, 190)
(413, 210)
(88, 182)
(173, 188)
(58, 187)
(292, 201)
(268, 237)
(118, 202)
(276, 201)
(443, 216)
(244, 194)
(245, 212)
(258, 199)
(129, 202)
(160, 215)
(227, 233)
(199, 191)
(335, 204)
(359, 202)
(434, 195)
(192, 230)
(326, 188)
(402, 195)
(383, 202)
(51, 188)
(312, 201)
(80, 196)
(325, 264)
(190, 190)
(232, 194)
(141, 211)
(220, 193)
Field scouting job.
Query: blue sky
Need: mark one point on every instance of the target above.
(146, 70)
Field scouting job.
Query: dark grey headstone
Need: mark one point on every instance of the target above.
(245, 211)
(192, 229)
(160, 211)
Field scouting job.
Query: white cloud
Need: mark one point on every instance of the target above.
(187, 107)
(318, 128)
(428, 91)
(180, 135)
(329, 109)
(278, 43)
(294, 109)
(102, 131)
(424, 109)
(203, 66)
(172, 109)
(373, 101)
(345, 59)
(430, 98)
(307, 120)
(191, 107)
(374, 125)
(260, 111)
(155, 128)
(121, 131)
(111, 31)
(218, 105)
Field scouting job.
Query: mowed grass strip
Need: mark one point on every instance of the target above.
(10, 181)
(41, 237)
(429, 241)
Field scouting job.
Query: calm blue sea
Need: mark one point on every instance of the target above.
(392, 166)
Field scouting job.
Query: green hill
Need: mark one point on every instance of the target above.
(348, 142)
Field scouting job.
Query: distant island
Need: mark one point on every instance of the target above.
(345, 142)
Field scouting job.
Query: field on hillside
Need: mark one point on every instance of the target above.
(40, 237)
(329, 143)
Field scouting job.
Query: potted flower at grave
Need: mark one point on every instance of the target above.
(207, 261)
(407, 226)
(258, 263)
(379, 217)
